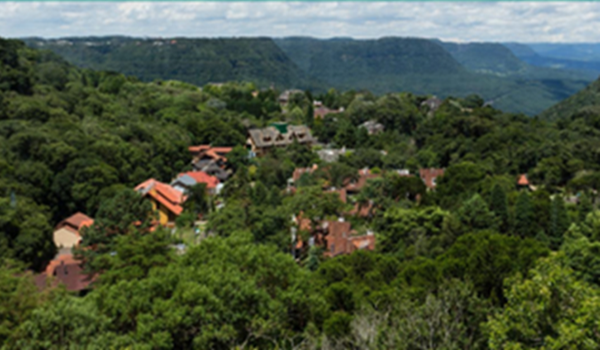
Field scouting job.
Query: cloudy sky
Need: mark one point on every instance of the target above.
(456, 21)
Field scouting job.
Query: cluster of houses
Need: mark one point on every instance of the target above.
(337, 237)
(210, 168)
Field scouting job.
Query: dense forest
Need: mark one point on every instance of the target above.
(480, 262)
(391, 64)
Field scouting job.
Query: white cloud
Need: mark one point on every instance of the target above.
(457, 21)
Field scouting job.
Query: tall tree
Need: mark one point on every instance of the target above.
(475, 215)
(524, 216)
(499, 205)
(559, 222)
(585, 206)
(309, 118)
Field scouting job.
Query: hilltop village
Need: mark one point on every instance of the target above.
(164, 215)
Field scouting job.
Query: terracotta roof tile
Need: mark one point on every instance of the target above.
(429, 176)
(163, 193)
(74, 221)
(66, 270)
(202, 177)
(523, 180)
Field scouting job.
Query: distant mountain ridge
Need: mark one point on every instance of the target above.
(392, 64)
(196, 61)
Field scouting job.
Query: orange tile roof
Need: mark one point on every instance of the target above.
(164, 194)
(201, 176)
(523, 180)
(86, 223)
(197, 149)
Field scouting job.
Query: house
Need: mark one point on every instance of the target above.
(373, 127)
(432, 104)
(523, 182)
(354, 186)
(164, 198)
(188, 179)
(260, 141)
(285, 96)
(321, 111)
(335, 237)
(67, 233)
(429, 176)
(298, 172)
(332, 155)
(66, 270)
(211, 160)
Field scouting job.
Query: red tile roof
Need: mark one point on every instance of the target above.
(66, 270)
(523, 180)
(298, 172)
(429, 176)
(337, 237)
(202, 177)
(212, 152)
(364, 176)
(199, 148)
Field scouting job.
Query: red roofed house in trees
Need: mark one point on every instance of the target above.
(363, 176)
(211, 160)
(188, 179)
(336, 237)
(67, 233)
(164, 198)
(429, 176)
(64, 269)
(523, 180)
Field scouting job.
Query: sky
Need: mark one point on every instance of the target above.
(450, 21)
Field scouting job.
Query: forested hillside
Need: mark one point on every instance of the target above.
(498, 252)
(585, 103)
(196, 61)
(420, 66)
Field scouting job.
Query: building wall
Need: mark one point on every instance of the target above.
(65, 238)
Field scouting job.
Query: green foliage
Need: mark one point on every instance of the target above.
(475, 215)
(524, 216)
(18, 298)
(559, 222)
(549, 309)
(79, 140)
(125, 213)
(487, 258)
(499, 205)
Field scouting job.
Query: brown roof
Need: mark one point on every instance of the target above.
(430, 175)
(270, 136)
(74, 221)
(364, 176)
(66, 270)
(322, 111)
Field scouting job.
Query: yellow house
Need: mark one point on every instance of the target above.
(165, 200)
